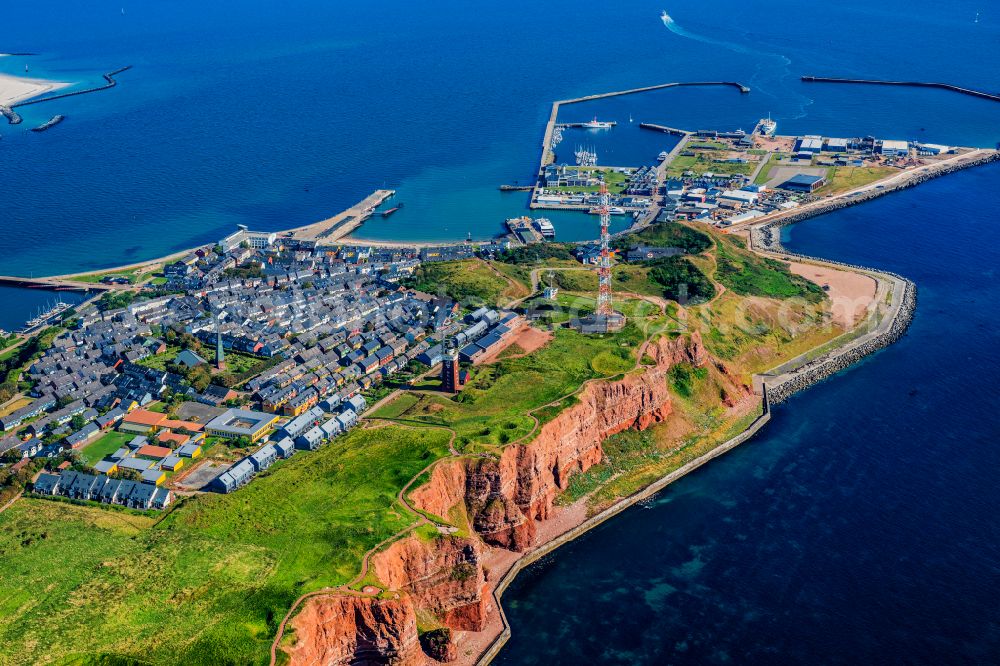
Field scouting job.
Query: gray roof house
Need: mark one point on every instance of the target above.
(263, 457)
(310, 440)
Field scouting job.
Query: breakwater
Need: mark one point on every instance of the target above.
(547, 144)
(12, 116)
(766, 237)
(825, 366)
(109, 77)
(663, 128)
(55, 120)
(911, 84)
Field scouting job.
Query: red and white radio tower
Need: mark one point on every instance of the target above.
(604, 267)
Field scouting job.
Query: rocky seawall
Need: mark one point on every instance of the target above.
(822, 368)
(770, 229)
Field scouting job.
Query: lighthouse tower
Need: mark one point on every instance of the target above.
(220, 357)
(451, 381)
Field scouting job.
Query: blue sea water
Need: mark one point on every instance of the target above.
(860, 527)
(280, 114)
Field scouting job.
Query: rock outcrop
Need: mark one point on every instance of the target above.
(356, 631)
(505, 496)
(442, 576)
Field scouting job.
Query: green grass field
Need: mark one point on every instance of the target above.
(703, 162)
(613, 179)
(748, 274)
(493, 409)
(842, 179)
(468, 280)
(159, 361)
(209, 583)
(105, 446)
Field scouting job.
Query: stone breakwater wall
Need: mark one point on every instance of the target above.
(823, 367)
(766, 238)
(768, 231)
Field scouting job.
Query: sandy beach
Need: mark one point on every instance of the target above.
(15, 89)
(851, 294)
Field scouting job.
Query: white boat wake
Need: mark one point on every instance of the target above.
(782, 61)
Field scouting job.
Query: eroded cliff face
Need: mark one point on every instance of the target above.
(505, 498)
(442, 576)
(356, 631)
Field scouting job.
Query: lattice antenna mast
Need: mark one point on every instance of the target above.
(604, 266)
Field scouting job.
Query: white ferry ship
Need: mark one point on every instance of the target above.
(597, 124)
(544, 226)
(767, 126)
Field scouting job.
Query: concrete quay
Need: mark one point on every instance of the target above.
(343, 223)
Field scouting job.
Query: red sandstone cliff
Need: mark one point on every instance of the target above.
(442, 576)
(355, 631)
(504, 498)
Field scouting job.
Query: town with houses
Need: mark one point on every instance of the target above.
(297, 335)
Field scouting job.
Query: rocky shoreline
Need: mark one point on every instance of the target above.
(844, 202)
(822, 368)
(766, 238)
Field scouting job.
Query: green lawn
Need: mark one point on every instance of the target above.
(469, 280)
(134, 276)
(105, 446)
(842, 179)
(704, 161)
(748, 274)
(159, 361)
(492, 409)
(613, 179)
(210, 582)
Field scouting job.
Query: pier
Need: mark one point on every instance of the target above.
(548, 156)
(665, 129)
(109, 77)
(611, 123)
(911, 84)
(343, 223)
(55, 284)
